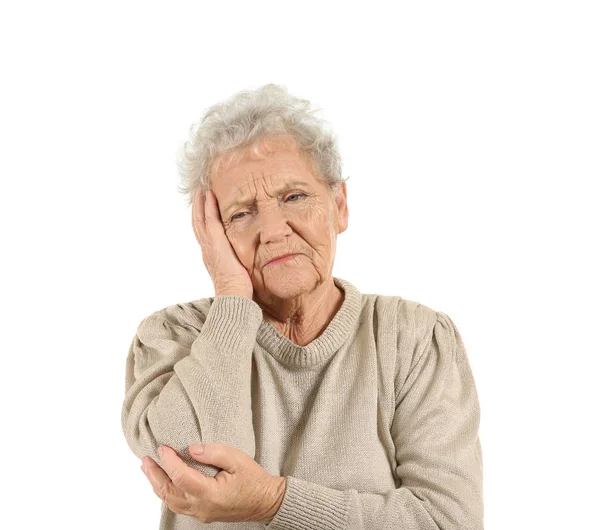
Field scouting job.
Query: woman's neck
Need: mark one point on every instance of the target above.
(304, 318)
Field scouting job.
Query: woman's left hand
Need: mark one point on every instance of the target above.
(241, 491)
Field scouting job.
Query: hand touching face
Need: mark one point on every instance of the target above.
(275, 206)
(226, 271)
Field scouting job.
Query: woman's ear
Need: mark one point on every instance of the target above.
(341, 204)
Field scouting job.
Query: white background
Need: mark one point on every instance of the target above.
(471, 135)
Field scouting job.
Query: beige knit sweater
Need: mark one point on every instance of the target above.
(374, 423)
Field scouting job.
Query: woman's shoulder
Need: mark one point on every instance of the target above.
(190, 315)
(407, 315)
(405, 309)
(404, 330)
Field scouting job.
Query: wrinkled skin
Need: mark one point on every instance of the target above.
(227, 273)
(241, 491)
(298, 296)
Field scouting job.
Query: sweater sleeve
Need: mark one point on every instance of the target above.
(438, 455)
(185, 385)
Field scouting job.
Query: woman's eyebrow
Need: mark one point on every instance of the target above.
(243, 201)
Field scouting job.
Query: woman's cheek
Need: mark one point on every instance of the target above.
(315, 218)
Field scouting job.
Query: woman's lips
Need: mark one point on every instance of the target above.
(283, 259)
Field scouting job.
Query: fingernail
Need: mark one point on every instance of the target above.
(197, 449)
(161, 450)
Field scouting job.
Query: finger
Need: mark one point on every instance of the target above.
(161, 482)
(176, 499)
(198, 215)
(224, 456)
(182, 476)
(212, 218)
(208, 207)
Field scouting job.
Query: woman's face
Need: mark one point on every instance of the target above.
(275, 206)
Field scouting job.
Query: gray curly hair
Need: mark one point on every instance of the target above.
(244, 122)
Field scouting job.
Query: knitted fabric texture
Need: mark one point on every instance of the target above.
(374, 423)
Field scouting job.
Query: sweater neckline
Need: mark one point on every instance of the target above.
(339, 329)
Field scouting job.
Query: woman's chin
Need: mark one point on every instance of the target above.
(289, 283)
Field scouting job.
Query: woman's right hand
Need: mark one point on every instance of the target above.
(226, 271)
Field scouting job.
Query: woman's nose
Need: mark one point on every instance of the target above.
(273, 225)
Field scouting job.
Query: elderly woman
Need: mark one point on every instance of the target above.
(290, 400)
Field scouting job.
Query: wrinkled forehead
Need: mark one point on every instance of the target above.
(246, 168)
(251, 176)
(261, 185)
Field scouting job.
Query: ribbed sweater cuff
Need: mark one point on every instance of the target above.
(310, 506)
(232, 323)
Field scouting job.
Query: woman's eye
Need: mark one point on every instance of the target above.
(240, 215)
